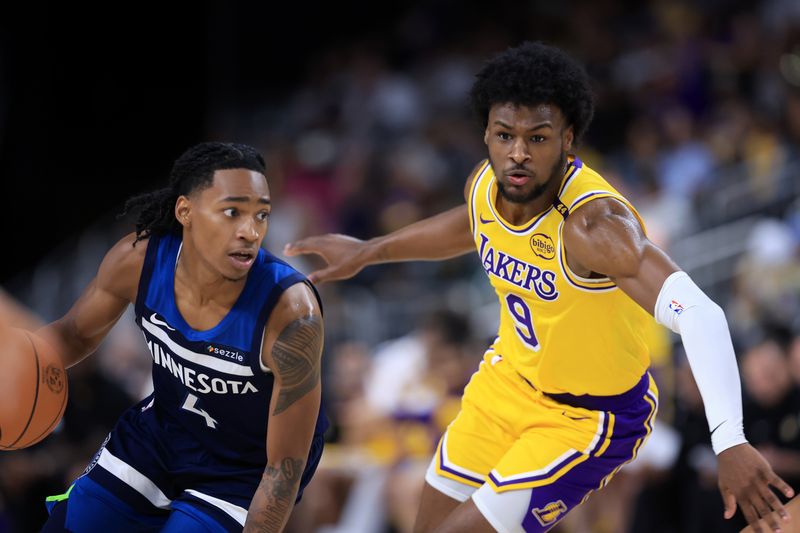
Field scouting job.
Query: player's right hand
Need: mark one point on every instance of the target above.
(344, 255)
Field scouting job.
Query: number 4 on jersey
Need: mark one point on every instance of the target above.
(189, 405)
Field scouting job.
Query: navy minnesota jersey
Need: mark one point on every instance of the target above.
(211, 384)
(199, 439)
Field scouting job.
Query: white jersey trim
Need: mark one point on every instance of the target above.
(460, 470)
(207, 361)
(599, 433)
(264, 368)
(569, 454)
(134, 479)
(234, 511)
(449, 487)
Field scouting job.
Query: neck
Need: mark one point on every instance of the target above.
(200, 283)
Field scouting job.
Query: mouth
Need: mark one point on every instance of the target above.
(518, 177)
(242, 259)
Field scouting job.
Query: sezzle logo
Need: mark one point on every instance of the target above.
(230, 354)
(542, 245)
(550, 513)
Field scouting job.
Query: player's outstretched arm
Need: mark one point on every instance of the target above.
(436, 238)
(292, 350)
(604, 236)
(79, 332)
(440, 237)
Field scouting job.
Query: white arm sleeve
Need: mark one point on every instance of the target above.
(686, 310)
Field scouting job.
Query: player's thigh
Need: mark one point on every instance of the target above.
(466, 453)
(553, 468)
(482, 432)
(186, 517)
(90, 508)
(473, 443)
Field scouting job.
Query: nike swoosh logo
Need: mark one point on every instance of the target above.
(574, 417)
(485, 221)
(154, 320)
(716, 428)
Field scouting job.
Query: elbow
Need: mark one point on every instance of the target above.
(716, 311)
(708, 315)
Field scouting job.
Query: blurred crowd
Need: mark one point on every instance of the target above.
(697, 122)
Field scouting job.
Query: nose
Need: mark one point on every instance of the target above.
(519, 151)
(247, 231)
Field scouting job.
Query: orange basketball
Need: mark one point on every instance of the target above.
(33, 388)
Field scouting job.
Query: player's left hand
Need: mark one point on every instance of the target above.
(745, 478)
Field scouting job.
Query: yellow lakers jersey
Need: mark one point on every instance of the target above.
(562, 332)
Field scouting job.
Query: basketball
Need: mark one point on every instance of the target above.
(33, 389)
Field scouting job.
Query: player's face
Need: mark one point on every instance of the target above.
(228, 221)
(527, 148)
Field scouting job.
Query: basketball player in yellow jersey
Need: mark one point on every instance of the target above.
(562, 399)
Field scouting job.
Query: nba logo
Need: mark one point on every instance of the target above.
(676, 307)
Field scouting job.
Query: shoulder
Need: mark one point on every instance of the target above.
(605, 236)
(473, 175)
(297, 302)
(269, 266)
(596, 214)
(296, 319)
(122, 266)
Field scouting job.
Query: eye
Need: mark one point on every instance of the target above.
(262, 216)
(538, 139)
(230, 212)
(503, 136)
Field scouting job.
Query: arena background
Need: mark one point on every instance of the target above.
(360, 110)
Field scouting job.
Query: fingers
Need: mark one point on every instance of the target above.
(764, 508)
(782, 486)
(303, 246)
(730, 504)
(294, 248)
(751, 516)
(772, 501)
(323, 275)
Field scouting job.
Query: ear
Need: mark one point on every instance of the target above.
(183, 211)
(568, 138)
(486, 136)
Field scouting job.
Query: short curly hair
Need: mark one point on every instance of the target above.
(531, 74)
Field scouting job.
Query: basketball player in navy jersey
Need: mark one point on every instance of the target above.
(233, 430)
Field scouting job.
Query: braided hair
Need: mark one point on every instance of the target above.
(192, 171)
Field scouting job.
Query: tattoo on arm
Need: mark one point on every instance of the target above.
(276, 494)
(297, 356)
